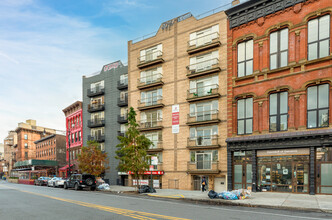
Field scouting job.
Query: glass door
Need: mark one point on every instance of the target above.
(242, 176)
(300, 178)
(324, 178)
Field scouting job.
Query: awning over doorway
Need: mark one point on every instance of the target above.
(65, 167)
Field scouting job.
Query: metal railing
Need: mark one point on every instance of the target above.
(150, 124)
(123, 101)
(203, 66)
(201, 141)
(96, 91)
(156, 145)
(123, 117)
(150, 57)
(151, 101)
(96, 122)
(207, 90)
(203, 40)
(203, 116)
(157, 77)
(203, 165)
(99, 138)
(122, 83)
(96, 107)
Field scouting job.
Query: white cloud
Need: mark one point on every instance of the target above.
(43, 56)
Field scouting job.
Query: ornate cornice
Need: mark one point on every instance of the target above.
(254, 9)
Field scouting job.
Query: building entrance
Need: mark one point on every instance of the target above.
(242, 170)
(323, 170)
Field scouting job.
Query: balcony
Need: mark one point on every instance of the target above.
(123, 84)
(123, 101)
(121, 133)
(150, 103)
(150, 59)
(204, 92)
(150, 125)
(122, 119)
(157, 147)
(203, 142)
(100, 122)
(96, 92)
(203, 167)
(205, 117)
(98, 138)
(150, 81)
(96, 107)
(203, 68)
(203, 43)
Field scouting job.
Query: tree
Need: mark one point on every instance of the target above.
(92, 160)
(132, 150)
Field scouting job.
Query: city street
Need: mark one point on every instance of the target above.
(36, 202)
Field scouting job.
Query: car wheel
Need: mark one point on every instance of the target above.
(65, 186)
(76, 187)
(92, 188)
(89, 181)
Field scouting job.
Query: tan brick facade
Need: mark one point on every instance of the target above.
(174, 35)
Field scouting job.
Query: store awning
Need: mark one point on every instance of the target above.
(65, 167)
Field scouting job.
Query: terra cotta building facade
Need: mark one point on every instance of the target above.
(279, 96)
(181, 71)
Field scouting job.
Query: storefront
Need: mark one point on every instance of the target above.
(297, 162)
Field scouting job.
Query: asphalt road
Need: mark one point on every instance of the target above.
(37, 202)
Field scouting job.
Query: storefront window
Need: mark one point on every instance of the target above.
(324, 167)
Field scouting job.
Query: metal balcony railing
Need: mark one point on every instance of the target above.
(204, 66)
(96, 91)
(96, 107)
(203, 116)
(121, 133)
(150, 57)
(123, 118)
(98, 138)
(145, 125)
(202, 41)
(149, 80)
(203, 141)
(156, 146)
(208, 90)
(122, 84)
(123, 101)
(204, 165)
(150, 102)
(96, 123)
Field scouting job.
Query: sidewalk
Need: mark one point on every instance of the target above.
(321, 203)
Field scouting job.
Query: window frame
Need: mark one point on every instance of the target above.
(319, 109)
(318, 38)
(245, 116)
(245, 59)
(279, 51)
(278, 115)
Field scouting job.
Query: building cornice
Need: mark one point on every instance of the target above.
(254, 9)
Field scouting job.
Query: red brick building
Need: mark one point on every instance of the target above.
(279, 96)
(74, 131)
(52, 147)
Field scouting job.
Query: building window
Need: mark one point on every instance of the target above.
(75, 136)
(25, 137)
(244, 116)
(72, 138)
(318, 106)
(79, 136)
(279, 111)
(26, 145)
(319, 37)
(279, 49)
(245, 54)
(26, 155)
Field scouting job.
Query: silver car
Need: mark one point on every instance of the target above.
(56, 182)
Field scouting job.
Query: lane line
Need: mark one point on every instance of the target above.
(124, 212)
(178, 196)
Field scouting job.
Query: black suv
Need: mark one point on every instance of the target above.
(80, 181)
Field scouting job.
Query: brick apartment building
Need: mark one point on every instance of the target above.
(182, 68)
(10, 150)
(52, 147)
(74, 131)
(280, 96)
(27, 134)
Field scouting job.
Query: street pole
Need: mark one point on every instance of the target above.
(69, 136)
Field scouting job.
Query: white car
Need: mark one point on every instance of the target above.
(56, 182)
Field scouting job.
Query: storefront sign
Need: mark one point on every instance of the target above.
(283, 152)
(141, 182)
(149, 173)
(175, 119)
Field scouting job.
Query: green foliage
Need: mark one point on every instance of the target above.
(92, 160)
(13, 177)
(132, 150)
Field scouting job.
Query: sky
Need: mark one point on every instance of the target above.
(46, 46)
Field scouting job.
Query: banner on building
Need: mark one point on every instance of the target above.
(175, 119)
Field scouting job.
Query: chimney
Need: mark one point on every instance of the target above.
(31, 122)
(235, 2)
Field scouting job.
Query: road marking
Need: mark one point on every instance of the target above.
(177, 196)
(124, 212)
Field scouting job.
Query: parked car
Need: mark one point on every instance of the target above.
(80, 181)
(56, 182)
(42, 181)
